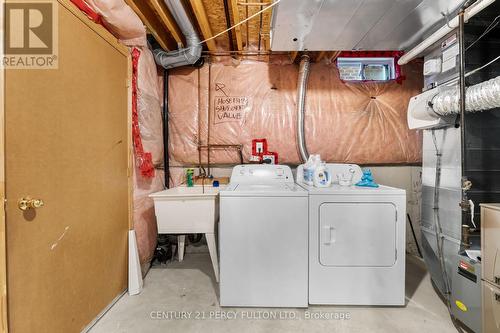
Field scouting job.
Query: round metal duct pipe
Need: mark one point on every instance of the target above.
(305, 62)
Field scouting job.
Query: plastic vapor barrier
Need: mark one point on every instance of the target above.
(361, 123)
(121, 20)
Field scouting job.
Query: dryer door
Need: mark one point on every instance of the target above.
(357, 234)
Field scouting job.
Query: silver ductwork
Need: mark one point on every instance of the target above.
(479, 97)
(185, 56)
(438, 107)
(301, 98)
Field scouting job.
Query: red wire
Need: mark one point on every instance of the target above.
(143, 159)
(84, 7)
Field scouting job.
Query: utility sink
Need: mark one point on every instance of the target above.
(189, 210)
(185, 209)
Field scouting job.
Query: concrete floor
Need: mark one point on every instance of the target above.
(189, 289)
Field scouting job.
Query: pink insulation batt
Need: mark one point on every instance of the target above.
(362, 123)
(121, 20)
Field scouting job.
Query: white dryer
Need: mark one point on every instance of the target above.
(263, 235)
(356, 243)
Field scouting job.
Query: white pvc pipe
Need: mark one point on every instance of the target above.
(443, 31)
(185, 56)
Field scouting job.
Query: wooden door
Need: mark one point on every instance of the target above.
(67, 143)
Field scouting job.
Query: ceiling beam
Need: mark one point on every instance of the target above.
(267, 41)
(201, 17)
(254, 3)
(333, 55)
(320, 56)
(229, 31)
(155, 27)
(293, 55)
(167, 19)
(236, 19)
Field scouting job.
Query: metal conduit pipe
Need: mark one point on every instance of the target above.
(185, 56)
(464, 204)
(301, 98)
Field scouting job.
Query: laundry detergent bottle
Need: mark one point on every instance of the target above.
(309, 168)
(322, 176)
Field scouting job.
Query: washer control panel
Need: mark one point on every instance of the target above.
(261, 174)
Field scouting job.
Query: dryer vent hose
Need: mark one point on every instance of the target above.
(480, 97)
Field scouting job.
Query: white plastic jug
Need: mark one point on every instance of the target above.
(309, 167)
(322, 176)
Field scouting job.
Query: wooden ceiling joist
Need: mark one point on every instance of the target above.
(155, 27)
(320, 56)
(236, 19)
(164, 15)
(254, 3)
(266, 37)
(201, 16)
(333, 55)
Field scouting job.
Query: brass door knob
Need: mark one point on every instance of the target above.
(29, 203)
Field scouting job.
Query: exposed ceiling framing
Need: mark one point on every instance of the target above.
(167, 19)
(206, 29)
(153, 23)
(236, 19)
(209, 18)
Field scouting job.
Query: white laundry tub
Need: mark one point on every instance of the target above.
(185, 209)
(189, 210)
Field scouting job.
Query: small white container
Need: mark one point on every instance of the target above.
(345, 179)
(322, 176)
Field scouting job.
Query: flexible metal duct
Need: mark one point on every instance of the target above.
(301, 98)
(479, 97)
(192, 52)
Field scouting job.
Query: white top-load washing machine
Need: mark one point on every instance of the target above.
(263, 236)
(356, 242)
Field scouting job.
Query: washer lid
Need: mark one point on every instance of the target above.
(256, 190)
(353, 190)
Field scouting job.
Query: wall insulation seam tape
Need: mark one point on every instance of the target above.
(443, 31)
(144, 159)
(479, 97)
(91, 14)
